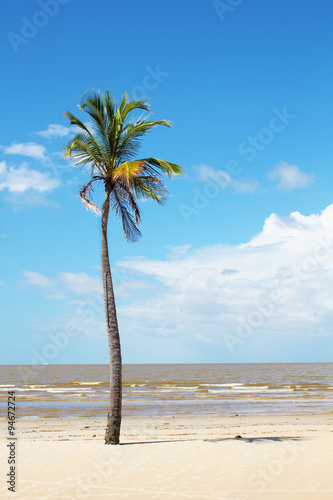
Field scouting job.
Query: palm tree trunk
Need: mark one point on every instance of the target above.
(112, 431)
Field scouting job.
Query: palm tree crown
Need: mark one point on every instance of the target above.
(109, 148)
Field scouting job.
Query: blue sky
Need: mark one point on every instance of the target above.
(238, 265)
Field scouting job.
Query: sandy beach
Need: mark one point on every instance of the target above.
(285, 457)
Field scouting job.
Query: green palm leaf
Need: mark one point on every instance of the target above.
(109, 150)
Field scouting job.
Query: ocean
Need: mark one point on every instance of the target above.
(153, 390)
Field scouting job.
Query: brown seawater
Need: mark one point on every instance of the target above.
(169, 389)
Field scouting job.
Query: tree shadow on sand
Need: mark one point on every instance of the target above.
(243, 439)
(258, 439)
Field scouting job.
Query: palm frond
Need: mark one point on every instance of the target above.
(138, 177)
(83, 195)
(127, 170)
(85, 151)
(110, 150)
(150, 188)
(130, 140)
(75, 121)
(119, 205)
(94, 105)
(168, 168)
(127, 105)
(148, 166)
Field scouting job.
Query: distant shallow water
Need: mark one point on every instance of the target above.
(170, 389)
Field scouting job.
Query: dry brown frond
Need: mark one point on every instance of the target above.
(85, 191)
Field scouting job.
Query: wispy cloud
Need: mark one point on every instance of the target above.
(32, 278)
(81, 286)
(30, 149)
(290, 177)
(54, 130)
(223, 179)
(20, 179)
(246, 185)
(64, 285)
(47, 285)
(81, 283)
(29, 200)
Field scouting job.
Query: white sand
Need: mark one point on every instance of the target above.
(284, 457)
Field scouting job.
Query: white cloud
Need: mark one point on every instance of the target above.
(279, 282)
(289, 177)
(55, 295)
(205, 173)
(29, 200)
(223, 179)
(55, 130)
(84, 293)
(176, 252)
(130, 287)
(36, 279)
(30, 149)
(59, 288)
(81, 283)
(22, 178)
(245, 185)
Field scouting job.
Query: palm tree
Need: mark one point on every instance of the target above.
(109, 147)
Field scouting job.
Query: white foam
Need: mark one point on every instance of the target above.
(65, 389)
(252, 390)
(222, 385)
(90, 383)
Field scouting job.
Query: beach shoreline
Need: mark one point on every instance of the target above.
(287, 456)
